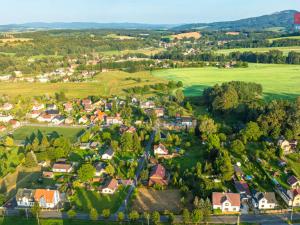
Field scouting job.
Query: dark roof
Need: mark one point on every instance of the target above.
(270, 196)
(292, 180)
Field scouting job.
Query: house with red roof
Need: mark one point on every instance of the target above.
(110, 187)
(158, 176)
(160, 149)
(226, 202)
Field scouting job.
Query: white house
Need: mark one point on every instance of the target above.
(160, 150)
(38, 107)
(25, 198)
(15, 124)
(83, 120)
(5, 119)
(226, 202)
(62, 168)
(266, 200)
(114, 120)
(110, 187)
(45, 118)
(108, 154)
(100, 169)
(46, 198)
(58, 120)
(7, 106)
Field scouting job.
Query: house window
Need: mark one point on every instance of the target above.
(226, 209)
(262, 206)
(226, 204)
(234, 209)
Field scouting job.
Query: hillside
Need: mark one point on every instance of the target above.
(283, 19)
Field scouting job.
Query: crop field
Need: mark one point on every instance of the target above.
(104, 84)
(285, 50)
(282, 38)
(70, 133)
(278, 81)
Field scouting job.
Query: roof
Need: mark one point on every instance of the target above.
(292, 180)
(109, 152)
(162, 147)
(242, 187)
(60, 166)
(112, 184)
(219, 198)
(270, 196)
(158, 171)
(25, 193)
(48, 195)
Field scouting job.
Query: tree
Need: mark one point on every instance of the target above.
(155, 217)
(110, 170)
(207, 126)
(121, 217)
(86, 172)
(237, 146)
(30, 160)
(9, 141)
(197, 216)
(106, 213)
(146, 216)
(252, 132)
(45, 142)
(133, 215)
(71, 214)
(36, 210)
(186, 216)
(179, 95)
(224, 166)
(94, 214)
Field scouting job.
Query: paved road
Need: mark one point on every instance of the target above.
(141, 163)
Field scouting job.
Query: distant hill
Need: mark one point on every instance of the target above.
(82, 25)
(283, 19)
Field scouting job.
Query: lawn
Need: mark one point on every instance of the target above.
(24, 221)
(104, 84)
(146, 51)
(85, 200)
(26, 131)
(294, 163)
(279, 81)
(285, 50)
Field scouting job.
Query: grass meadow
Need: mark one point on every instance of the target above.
(278, 81)
(26, 131)
(285, 50)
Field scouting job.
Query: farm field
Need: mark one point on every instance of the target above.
(104, 84)
(152, 200)
(70, 133)
(285, 50)
(282, 38)
(86, 200)
(279, 81)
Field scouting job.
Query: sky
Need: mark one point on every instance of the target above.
(140, 11)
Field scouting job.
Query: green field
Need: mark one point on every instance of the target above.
(285, 50)
(104, 84)
(281, 38)
(70, 133)
(85, 200)
(279, 81)
(146, 51)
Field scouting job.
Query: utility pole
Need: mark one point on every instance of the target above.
(238, 220)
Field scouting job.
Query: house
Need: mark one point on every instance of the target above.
(88, 108)
(62, 168)
(186, 121)
(100, 169)
(126, 129)
(238, 171)
(293, 182)
(15, 124)
(7, 107)
(34, 114)
(2, 128)
(159, 112)
(84, 146)
(38, 107)
(58, 120)
(69, 121)
(285, 146)
(226, 202)
(160, 150)
(25, 198)
(100, 115)
(46, 198)
(52, 112)
(51, 107)
(265, 200)
(108, 154)
(94, 145)
(5, 118)
(110, 187)
(147, 105)
(114, 120)
(68, 107)
(86, 101)
(48, 174)
(158, 176)
(45, 118)
(83, 120)
(294, 196)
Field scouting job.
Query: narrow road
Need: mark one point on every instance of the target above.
(141, 163)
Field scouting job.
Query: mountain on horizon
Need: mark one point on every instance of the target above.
(283, 19)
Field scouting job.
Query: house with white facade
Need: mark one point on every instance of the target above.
(226, 202)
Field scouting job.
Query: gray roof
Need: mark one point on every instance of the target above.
(270, 196)
(27, 193)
